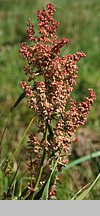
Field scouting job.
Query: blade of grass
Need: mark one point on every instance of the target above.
(85, 193)
(5, 128)
(81, 190)
(46, 189)
(18, 146)
(21, 97)
(14, 177)
(40, 192)
(81, 160)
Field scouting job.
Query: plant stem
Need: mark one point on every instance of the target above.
(6, 125)
(41, 164)
(16, 150)
(40, 172)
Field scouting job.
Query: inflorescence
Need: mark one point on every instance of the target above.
(52, 79)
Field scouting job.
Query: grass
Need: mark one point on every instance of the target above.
(79, 22)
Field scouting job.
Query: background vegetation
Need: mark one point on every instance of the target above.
(79, 22)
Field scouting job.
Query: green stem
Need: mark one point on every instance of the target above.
(40, 170)
(5, 128)
(16, 150)
(41, 164)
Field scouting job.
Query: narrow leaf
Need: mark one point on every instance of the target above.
(81, 160)
(51, 134)
(24, 134)
(5, 128)
(46, 189)
(17, 188)
(23, 194)
(21, 97)
(85, 193)
(1, 184)
(40, 192)
(14, 177)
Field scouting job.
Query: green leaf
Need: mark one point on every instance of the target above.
(14, 177)
(51, 134)
(40, 192)
(85, 193)
(5, 128)
(21, 97)
(81, 160)
(3, 184)
(23, 194)
(23, 136)
(17, 188)
(46, 189)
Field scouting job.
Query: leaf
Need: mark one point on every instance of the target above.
(14, 178)
(81, 160)
(17, 188)
(3, 184)
(23, 136)
(21, 97)
(40, 192)
(46, 189)
(29, 196)
(85, 193)
(81, 190)
(51, 134)
(5, 128)
(23, 194)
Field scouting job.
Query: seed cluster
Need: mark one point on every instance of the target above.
(52, 80)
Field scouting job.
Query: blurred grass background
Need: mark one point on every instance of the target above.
(80, 23)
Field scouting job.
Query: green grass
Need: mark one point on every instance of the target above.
(79, 22)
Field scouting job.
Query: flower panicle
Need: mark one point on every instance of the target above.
(54, 77)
